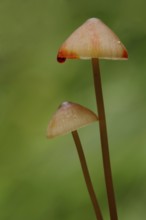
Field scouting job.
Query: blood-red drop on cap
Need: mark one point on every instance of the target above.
(61, 59)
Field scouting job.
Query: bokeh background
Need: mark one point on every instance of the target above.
(41, 179)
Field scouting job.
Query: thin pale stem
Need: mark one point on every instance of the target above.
(104, 140)
(87, 175)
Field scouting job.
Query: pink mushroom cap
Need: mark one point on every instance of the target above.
(93, 39)
(69, 117)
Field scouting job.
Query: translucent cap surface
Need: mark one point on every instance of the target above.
(93, 39)
(69, 117)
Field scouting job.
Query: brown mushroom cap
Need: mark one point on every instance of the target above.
(69, 117)
(93, 39)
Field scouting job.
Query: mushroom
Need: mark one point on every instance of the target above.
(94, 40)
(68, 118)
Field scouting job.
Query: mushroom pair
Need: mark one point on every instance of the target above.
(94, 40)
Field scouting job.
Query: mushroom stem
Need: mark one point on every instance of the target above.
(104, 140)
(87, 175)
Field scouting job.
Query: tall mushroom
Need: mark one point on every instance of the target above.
(94, 40)
(68, 118)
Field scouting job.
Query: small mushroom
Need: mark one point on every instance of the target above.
(94, 40)
(68, 118)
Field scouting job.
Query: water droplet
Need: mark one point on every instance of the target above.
(61, 59)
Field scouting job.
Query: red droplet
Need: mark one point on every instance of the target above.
(61, 59)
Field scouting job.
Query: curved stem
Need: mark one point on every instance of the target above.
(86, 175)
(104, 140)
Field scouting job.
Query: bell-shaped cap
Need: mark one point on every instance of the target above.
(69, 117)
(93, 39)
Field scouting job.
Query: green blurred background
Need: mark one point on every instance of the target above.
(41, 179)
